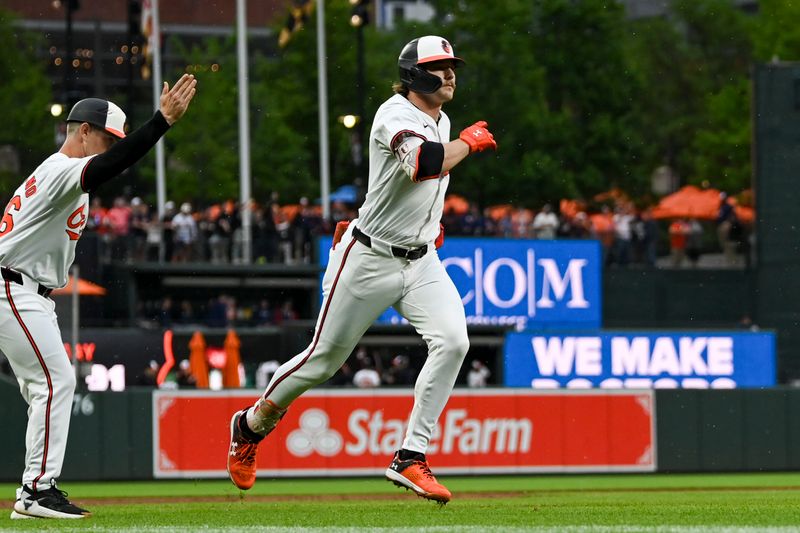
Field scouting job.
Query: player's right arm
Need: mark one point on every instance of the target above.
(127, 151)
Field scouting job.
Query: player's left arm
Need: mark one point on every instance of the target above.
(128, 151)
(454, 153)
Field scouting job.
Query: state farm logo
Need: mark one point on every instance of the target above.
(456, 434)
(314, 435)
(369, 433)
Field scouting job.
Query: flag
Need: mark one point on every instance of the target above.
(147, 33)
(298, 16)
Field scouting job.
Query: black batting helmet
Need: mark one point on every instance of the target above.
(101, 113)
(418, 52)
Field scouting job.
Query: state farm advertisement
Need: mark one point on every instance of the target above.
(341, 433)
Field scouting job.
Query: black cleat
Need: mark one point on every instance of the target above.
(49, 503)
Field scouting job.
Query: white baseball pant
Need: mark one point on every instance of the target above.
(31, 340)
(359, 284)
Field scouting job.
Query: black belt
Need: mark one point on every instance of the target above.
(16, 277)
(406, 253)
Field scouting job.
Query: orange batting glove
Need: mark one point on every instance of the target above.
(477, 137)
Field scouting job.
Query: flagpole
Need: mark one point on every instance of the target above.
(322, 95)
(244, 131)
(161, 188)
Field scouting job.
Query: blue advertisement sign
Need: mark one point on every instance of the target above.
(520, 283)
(636, 360)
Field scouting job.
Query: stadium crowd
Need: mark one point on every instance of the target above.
(131, 231)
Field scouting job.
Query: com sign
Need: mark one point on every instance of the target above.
(520, 283)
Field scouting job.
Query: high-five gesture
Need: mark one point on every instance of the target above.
(175, 101)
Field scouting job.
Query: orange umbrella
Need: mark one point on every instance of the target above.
(85, 288)
(745, 214)
(198, 364)
(612, 194)
(456, 204)
(602, 222)
(689, 202)
(230, 373)
(570, 208)
(497, 212)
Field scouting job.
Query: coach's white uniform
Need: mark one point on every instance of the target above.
(401, 210)
(39, 230)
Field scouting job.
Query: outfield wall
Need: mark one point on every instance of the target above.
(113, 435)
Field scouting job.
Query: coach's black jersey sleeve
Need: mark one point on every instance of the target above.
(124, 153)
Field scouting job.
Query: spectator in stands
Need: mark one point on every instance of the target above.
(185, 229)
(491, 227)
(166, 315)
(119, 219)
(726, 220)
(263, 314)
(140, 220)
(98, 222)
(545, 223)
(400, 372)
(367, 376)
(339, 212)
(285, 312)
(694, 241)
(149, 376)
(167, 231)
(184, 377)
(154, 231)
(284, 229)
(623, 218)
(577, 227)
(604, 230)
(451, 222)
(678, 235)
(306, 225)
(645, 237)
(221, 232)
(478, 375)
(217, 312)
(186, 313)
(265, 236)
(522, 223)
(473, 222)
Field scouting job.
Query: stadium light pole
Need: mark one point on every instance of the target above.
(161, 187)
(244, 131)
(69, 93)
(358, 19)
(322, 95)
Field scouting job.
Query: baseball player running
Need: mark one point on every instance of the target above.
(38, 232)
(386, 257)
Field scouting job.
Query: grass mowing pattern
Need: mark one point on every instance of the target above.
(573, 504)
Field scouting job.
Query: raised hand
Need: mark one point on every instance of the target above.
(175, 101)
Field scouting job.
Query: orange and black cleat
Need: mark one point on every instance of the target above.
(244, 440)
(242, 453)
(415, 474)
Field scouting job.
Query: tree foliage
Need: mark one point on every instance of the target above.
(580, 98)
(29, 129)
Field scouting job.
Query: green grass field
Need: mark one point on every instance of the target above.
(568, 503)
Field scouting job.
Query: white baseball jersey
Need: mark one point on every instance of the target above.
(44, 220)
(402, 208)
